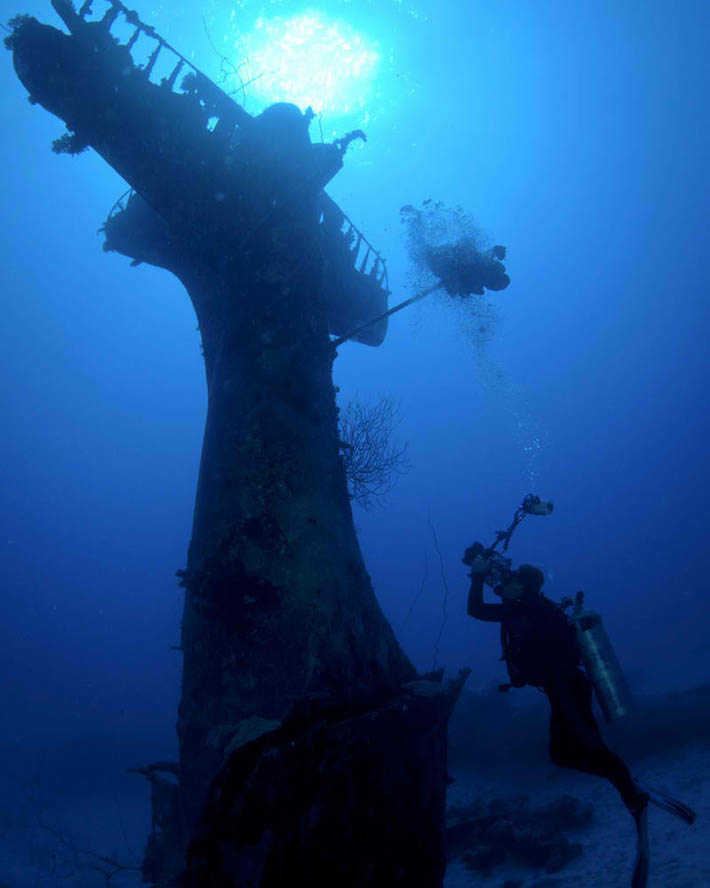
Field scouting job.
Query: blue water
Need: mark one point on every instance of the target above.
(576, 135)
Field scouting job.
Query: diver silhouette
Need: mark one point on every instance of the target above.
(540, 649)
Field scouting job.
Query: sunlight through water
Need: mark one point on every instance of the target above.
(308, 59)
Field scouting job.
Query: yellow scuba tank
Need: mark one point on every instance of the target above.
(600, 662)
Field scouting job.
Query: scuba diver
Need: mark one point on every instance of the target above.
(544, 648)
(464, 269)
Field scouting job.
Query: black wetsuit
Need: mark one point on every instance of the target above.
(540, 651)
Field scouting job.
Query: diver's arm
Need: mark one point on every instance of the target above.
(477, 607)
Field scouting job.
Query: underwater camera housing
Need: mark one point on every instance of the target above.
(500, 567)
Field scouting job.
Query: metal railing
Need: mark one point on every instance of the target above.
(206, 89)
(121, 203)
(365, 258)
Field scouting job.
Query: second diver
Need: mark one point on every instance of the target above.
(540, 649)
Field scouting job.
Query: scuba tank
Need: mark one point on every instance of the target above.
(600, 662)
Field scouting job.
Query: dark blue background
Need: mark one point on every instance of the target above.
(577, 135)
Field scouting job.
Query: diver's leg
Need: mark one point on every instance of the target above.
(564, 746)
(635, 795)
(575, 740)
(578, 743)
(574, 734)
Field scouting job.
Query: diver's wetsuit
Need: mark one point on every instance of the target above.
(550, 662)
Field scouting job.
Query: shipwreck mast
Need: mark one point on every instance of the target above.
(308, 749)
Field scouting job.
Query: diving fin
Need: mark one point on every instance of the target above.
(673, 806)
(639, 879)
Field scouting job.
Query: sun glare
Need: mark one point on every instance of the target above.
(308, 59)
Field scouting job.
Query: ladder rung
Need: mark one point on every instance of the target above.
(132, 42)
(152, 60)
(170, 82)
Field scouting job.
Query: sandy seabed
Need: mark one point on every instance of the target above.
(680, 855)
(52, 840)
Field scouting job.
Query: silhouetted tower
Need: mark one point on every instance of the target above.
(289, 663)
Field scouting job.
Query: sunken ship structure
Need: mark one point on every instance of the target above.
(309, 749)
